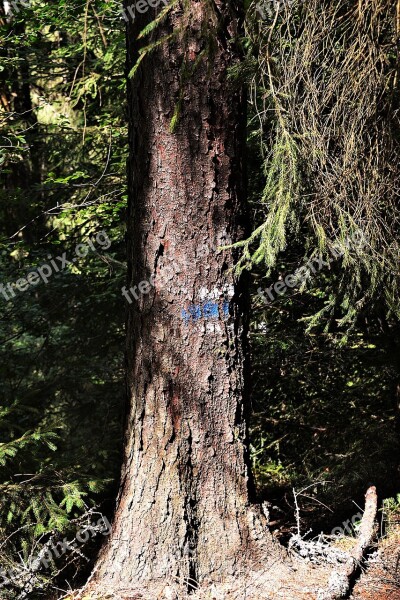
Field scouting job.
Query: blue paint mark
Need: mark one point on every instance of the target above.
(195, 311)
(210, 310)
(185, 316)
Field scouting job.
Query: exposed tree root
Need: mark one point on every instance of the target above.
(339, 582)
(381, 580)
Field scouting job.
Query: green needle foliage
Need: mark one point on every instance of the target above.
(324, 88)
(63, 137)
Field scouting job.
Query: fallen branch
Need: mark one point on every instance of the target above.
(339, 581)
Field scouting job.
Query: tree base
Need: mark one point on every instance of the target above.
(289, 579)
(265, 571)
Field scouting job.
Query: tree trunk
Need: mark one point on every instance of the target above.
(184, 512)
(183, 506)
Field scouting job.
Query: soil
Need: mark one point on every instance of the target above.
(381, 579)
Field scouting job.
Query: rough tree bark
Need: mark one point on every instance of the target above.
(183, 511)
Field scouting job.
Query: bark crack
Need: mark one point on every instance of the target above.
(190, 542)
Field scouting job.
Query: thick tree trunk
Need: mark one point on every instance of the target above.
(187, 479)
(184, 512)
(184, 504)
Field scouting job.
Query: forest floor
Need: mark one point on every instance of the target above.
(381, 577)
